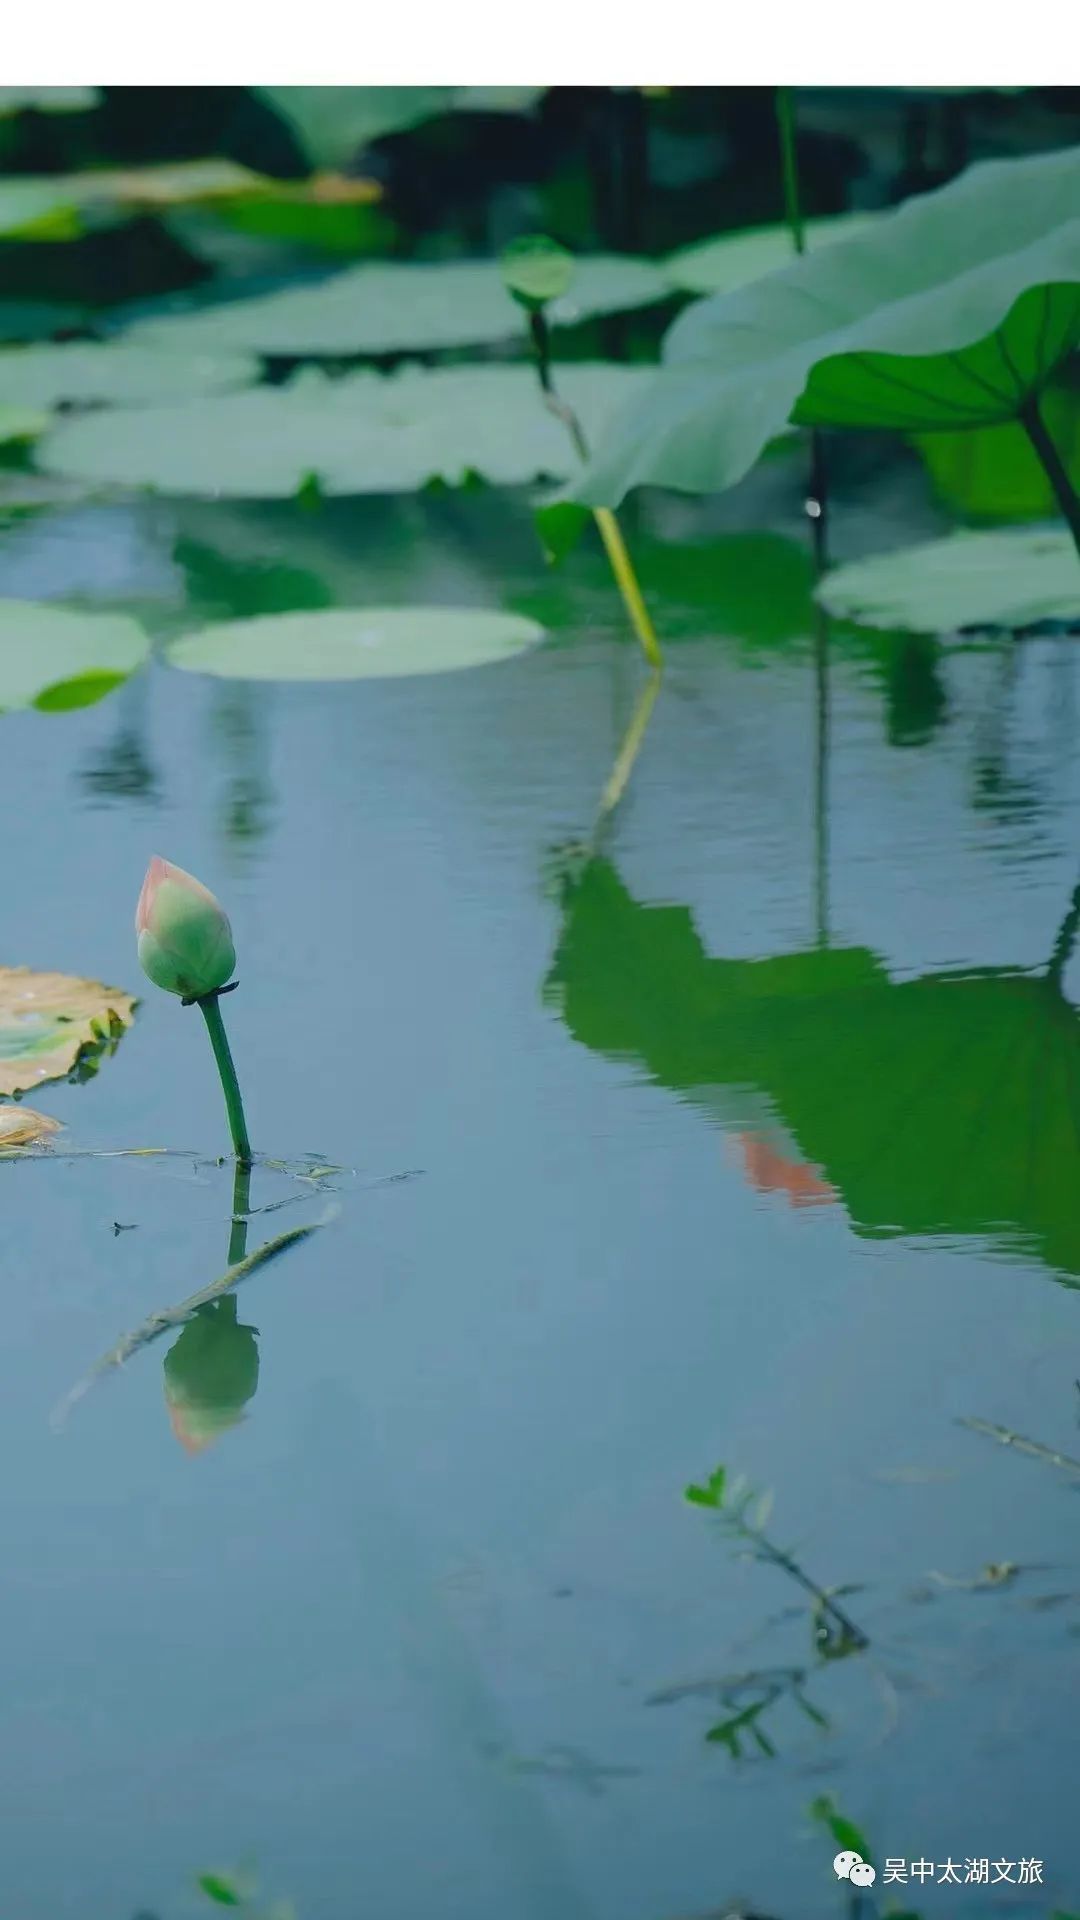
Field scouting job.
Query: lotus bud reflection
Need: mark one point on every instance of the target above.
(211, 1372)
(185, 941)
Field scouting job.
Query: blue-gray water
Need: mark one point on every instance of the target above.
(393, 1641)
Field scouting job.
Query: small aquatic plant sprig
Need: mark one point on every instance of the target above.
(536, 271)
(186, 948)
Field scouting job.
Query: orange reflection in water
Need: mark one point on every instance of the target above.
(771, 1171)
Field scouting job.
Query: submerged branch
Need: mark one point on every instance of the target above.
(1020, 1444)
(167, 1319)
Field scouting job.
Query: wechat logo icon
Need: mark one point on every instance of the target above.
(852, 1866)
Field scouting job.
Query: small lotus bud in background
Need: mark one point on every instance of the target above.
(536, 270)
(186, 947)
(185, 941)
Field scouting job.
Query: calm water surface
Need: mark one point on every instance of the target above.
(750, 1140)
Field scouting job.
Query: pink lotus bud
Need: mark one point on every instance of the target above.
(185, 941)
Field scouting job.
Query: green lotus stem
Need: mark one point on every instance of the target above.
(789, 160)
(1054, 466)
(785, 116)
(615, 547)
(619, 777)
(210, 1007)
(241, 1198)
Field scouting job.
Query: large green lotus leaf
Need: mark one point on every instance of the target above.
(1012, 578)
(47, 1020)
(55, 659)
(399, 307)
(355, 643)
(993, 473)
(359, 434)
(946, 313)
(118, 372)
(332, 124)
(47, 99)
(945, 1104)
(731, 260)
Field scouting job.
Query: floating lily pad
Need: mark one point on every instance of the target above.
(361, 433)
(22, 1127)
(734, 259)
(116, 372)
(401, 307)
(19, 422)
(1014, 578)
(355, 643)
(48, 99)
(39, 200)
(38, 319)
(55, 659)
(47, 1020)
(23, 202)
(949, 312)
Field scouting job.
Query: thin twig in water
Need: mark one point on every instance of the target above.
(165, 1319)
(1034, 1448)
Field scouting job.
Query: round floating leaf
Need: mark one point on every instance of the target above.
(49, 1020)
(399, 307)
(947, 313)
(30, 200)
(536, 270)
(55, 659)
(355, 643)
(735, 259)
(1014, 578)
(38, 319)
(23, 202)
(358, 434)
(47, 99)
(20, 423)
(117, 372)
(21, 1127)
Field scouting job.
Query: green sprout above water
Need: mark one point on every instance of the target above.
(186, 948)
(744, 1513)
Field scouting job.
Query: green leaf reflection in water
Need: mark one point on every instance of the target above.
(945, 1104)
(212, 1368)
(211, 1372)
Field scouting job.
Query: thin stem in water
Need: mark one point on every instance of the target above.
(615, 547)
(619, 777)
(241, 1201)
(817, 498)
(210, 1006)
(789, 160)
(1064, 492)
(822, 717)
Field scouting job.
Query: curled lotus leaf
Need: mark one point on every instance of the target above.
(24, 1127)
(49, 1021)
